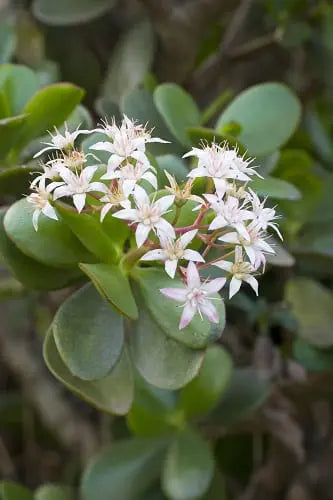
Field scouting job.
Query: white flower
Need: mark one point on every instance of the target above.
(77, 185)
(127, 141)
(173, 250)
(240, 270)
(229, 213)
(195, 296)
(50, 172)
(214, 161)
(40, 201)
(255, 247)
(62, 142)
(242, 168)
(148, 215)
(263, 215)
(114, 197)
(130, 174)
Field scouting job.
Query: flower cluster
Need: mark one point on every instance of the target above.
(228, 220)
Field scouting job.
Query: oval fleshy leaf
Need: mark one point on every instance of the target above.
(89, 334)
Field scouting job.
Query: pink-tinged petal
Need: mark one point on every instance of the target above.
(208, 310)
(218, 222)
(66, 174)
(187, 315)
(193, 255)
(164, 203)
(178, 294)
(197, 172)
(224, 264)
(220, 186)
(214, 286)
(79, 201)
(126, 214)
(151, 178)
(253, 283)
(97, 186)
(192, 276)
(235, 285)
(239, 226)
(250, 252)
(164, 229)
(140, 156)
(60, 192)
(49, 211)
(230, 238)
(88, 172)
(125, 204)
(128, 186)
(158, 254)
(247, 215)
(103, 146)
(140, 196)
(188, 237)
(141, 234)
(35, 217)
(105, 210)
(171, 267)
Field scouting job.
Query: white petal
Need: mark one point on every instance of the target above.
(163, 226)
(193, 255)
(187, 237)
(106, 208)
(178, 294)
(79, 201)
(141, 234)
(128, 186)
(208, 310)
(103, 146)
(140, 156)
(158, 254)
(239, 226)
(42, 151)
(214, 286)
(192, 276)
(114, 162)
(197, 172)
(97, 186)
(250, 253)
(187, 315)
(151, 178)
(35, 217)
(164, 203)
(126, 214)
(235, 285)
(253, 283)
(61, 191)
(88, 172)
(218, 222)
(140, 196)
(230, 238)
(49, 211)
(171, 267)
(224, 264)
(220, 186)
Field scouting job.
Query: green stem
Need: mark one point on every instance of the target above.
(132, 257)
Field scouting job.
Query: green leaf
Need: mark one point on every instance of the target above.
(30, 273)
(125, 470)
(320, 137)
(53, 243)
(4, 106)
(19, 83)
(165, 312)
(130, 61)
(53, 492)
(48, 108)
(275, 188)
(13, 491)
(268, 113)
(313, 358)
(139, 105)
(89, 334)
(153, 410)
(203, 392)
(7, 42)
(189, 467)
(246, 393)
(15, 180)
(68, 12)
(174, 166)
(90, 232)
(112, 394)
(9, 131)
(160, 360)
(312, 306)
(178, 109)
(199, 134)
(114, 286)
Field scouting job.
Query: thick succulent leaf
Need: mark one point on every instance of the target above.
(68, 12)
(112, 394)
(312, 306)
(160, 360)
(89, 334)
(275, 188)
(174, 166)
(9, 133)
(167, 314)
(53, 492)
(90, 232)
(268, 113)
(204, 391)
(114, 286)
(125, 470)
(30, 273)
(7, 42)
(15, 180)
(13, 491)
(313, 358)
(178, 109)
(19, 83)
(53, 243)
(189, 467)
(49, 107)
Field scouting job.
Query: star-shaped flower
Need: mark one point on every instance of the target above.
(196, 296)
(62, 142)
(39, 199)
(229, 213)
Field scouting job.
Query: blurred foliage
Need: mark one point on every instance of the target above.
(253, 418)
